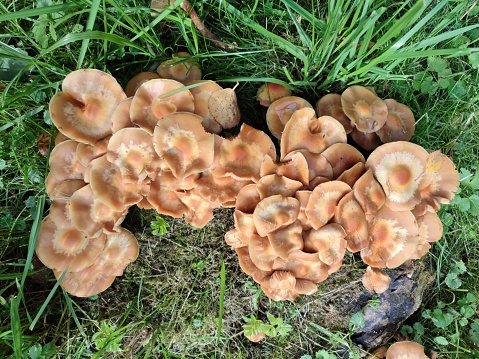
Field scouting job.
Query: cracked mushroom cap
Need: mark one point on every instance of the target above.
(393, 239)
(275, 212)
(375, 280)
(366, 110)
(158, 98)
(66, 248)
(138, 80)
(323, 201)
(400, 123)
(131, 150)
(399, 168)
(406, 350)
(280, 111)
(241, 157)
(83, 110)
(330, 105)
(85, 283)
(202, 92)
(92, 217)
(180, 68)
(305, 131)
(269, 92)
(182, 142)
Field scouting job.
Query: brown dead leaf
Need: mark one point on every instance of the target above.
(43, 143)
(223, 106)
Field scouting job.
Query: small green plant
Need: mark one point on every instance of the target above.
(106, 339)
(276, 326)
(321, 354)
(467, 196)
(38, 351)
(159, 226)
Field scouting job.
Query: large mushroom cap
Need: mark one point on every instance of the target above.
(366, 110)
(120, 249)
(83, 110)
(399, 168)
(275, 212)
(406, 350)
(85, 283)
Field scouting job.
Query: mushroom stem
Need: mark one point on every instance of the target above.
(217, 41)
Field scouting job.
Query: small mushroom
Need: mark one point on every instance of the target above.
(280, 111)
(366, 110)
(342, 157)
(351, 217)
(330, 105)
(328, 242)
(83, 110)
(138, 80)
(367, 141)
(399, 125)
(269, 92)
(369, 194)
(287, 239)
(180, 68)
(121, 249)
(375, 280)
(121, 116)
(85, 283)
(406, 350)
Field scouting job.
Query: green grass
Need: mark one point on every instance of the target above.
(191, 302)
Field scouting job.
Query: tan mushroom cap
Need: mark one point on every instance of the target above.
(92, 217)
(294, 166)
(270, 185)
(241, 157)
(287, 239)
(61, 197)
(328, 242)
(280, 286)
(317, 164)
(66, 248)
(399, 168)
(248, 198)
(83, 110)
(180, 68)
(85, 283)
(182, 142)
(60, 137)
(303, 197)
(121, 249)
(393, 238)
(323, 201)
(280, 112)
(400, 123)
(351, 175)
(269, 92)
(430, 227)
(305, 131)
(223, 107)
(303, 265)
(157, 98)
(375, 280)
(235, 239)
(121, 116)
(275, 212)
(222, 190)
(261, 252)
(107, 185)
(366, 110)
(342, 157)
(244, 222)
(406, 350)
(165, 199)
(367, 141)
(132, 151)
(202, 92)
(138, 80)
(351, 217)
(369, 193)
(200, 212)
(330, 105)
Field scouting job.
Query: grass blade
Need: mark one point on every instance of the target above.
(305, 14)
(222, 299)
(26, 13)
(89, 27)
(16, 327)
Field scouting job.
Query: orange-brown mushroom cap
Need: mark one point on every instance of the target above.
(138, 80)
(202, 92)
(399, 125)
(375, 280)
(275, 212)
(406, 350)
(83, 110)
(366, 110)
(351, 217)
(330, 105)
(269, 92)
(280, 111)
(180, 68)
(85, 283)
(328, 242)
(120, 249)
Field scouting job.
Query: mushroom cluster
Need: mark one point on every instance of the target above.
(369, 120)
(151, 150)
(294, 225)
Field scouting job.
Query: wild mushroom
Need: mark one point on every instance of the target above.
(269, 92)
(280, 112)
(270, 185)
(367, 141)
(366, 110)
(287, 239)
(83, 110)
(121, 116)
(328, 242)
(305, 131)
(342, 156)
(351, 217)
(294, 166)
(86, 153)
(399, 167)
(181, 68)
(275, 212)
(157, 98)
(399, 125)
(182, 142)
(375, 280)
(330, 105)
(261, 252)
(406, 350)
(369, 194)
(138, 80)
